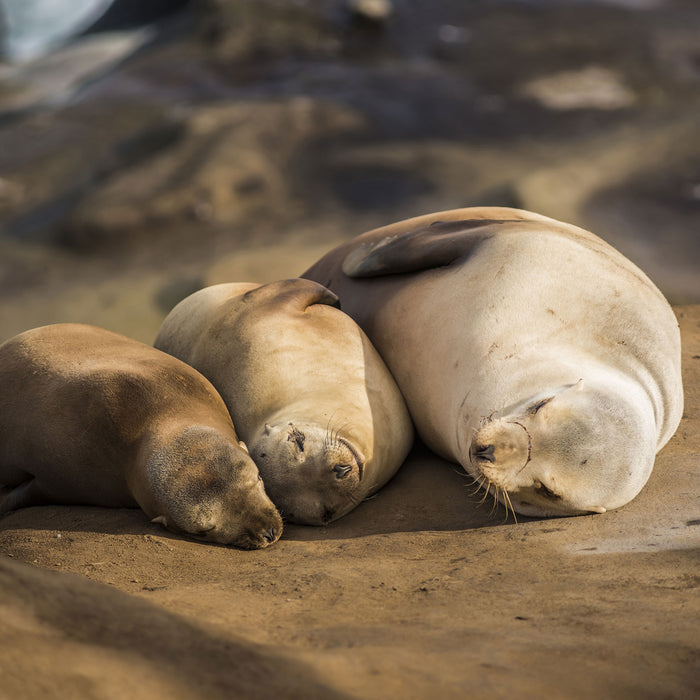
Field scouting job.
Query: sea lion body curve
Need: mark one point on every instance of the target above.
(324, 419)
(92, 417)
(528, 350)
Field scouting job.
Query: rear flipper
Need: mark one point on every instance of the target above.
(22, 496)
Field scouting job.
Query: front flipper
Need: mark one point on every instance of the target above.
(436, 245)
(298, 293)
(22, 496)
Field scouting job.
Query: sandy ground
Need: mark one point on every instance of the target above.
(197, 162)
(422, 592)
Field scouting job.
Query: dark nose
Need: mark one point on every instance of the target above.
(484, 452)
(342, 470)
(270, 535)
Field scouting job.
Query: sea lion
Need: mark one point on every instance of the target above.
(322, 415)
(528, 350)
(91, 417)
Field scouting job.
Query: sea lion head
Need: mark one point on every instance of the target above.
(570, 451)
(312, 474)
(206, 485)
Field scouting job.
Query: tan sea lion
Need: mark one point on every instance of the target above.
(528, 350)
(91, 417)
(324, 419)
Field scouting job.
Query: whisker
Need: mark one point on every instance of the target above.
(506, 503)
(342, 426)
(328, 430)
(486, 492)
(495, 500)
(479, 485)
(333, 432)
(282, 515)
(510, 503)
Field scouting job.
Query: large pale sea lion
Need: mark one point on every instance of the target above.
(324, 419)
(91, 417)
(528, 350)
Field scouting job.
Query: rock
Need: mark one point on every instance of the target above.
(592, 87)
(374, 11)
(243, 125)
(46, 178)
(232, 163)
(55, 79)
(255, 29)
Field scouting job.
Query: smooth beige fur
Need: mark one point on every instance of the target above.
(528, 350)
(88, 416)
(308, 393)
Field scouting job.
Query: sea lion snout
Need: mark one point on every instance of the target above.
(483, 452)
(207, 486)
(262, 522)
(259, 538)
(312, 474)
(501, 446)
(271, 535)
(254, 524)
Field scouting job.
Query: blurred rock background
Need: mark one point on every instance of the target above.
(150, 148)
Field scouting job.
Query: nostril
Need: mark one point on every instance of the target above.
(484, 452)
(342, 470)
(270, 535)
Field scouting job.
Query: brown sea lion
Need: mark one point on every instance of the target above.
(322, 415)
(88, 416)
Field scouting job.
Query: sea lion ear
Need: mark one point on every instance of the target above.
(243, 446)
(436, 245)
(579, 386)
(160, 520)
(297, 292)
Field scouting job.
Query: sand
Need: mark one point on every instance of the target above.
(421, 592)
(210, 157)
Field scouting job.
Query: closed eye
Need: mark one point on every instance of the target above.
(536, 407)
(542, 490)
(360, 465)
